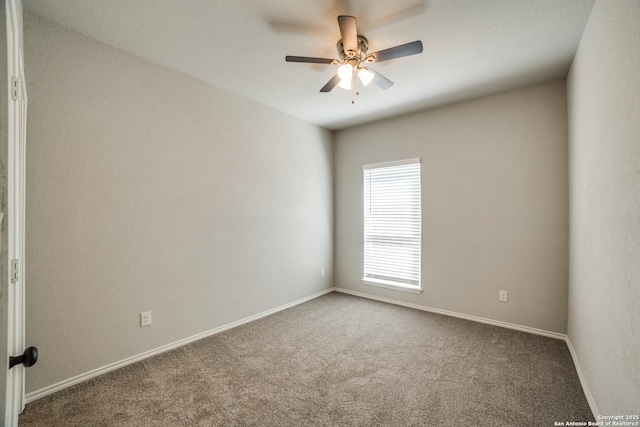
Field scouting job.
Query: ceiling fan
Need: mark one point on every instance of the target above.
(352, 49)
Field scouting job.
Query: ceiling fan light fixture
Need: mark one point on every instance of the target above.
(365, 76)
(345, 72)
(353, 52)
(345, 84)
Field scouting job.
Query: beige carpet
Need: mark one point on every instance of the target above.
(338, 360)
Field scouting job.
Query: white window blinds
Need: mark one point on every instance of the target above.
(392, 229)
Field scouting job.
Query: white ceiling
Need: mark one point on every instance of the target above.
(471, 47)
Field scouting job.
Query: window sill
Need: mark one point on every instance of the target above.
(392, 285)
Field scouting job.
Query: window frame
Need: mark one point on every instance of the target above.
(380, 282)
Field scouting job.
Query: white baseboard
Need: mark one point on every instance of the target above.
(583, 380)
(535, 331)
(34, 395)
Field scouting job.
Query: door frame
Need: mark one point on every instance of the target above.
(17, 126)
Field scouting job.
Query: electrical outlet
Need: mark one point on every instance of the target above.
(145, 318)
(322, 272)
(502, 296)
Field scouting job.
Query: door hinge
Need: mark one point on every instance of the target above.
(15, 268)
(15, 88)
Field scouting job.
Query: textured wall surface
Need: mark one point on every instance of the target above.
(604, 140)
(150, 190)
(494, 204)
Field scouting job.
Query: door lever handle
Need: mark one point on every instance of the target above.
(29, 358)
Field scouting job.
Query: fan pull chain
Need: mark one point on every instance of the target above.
(354, 86)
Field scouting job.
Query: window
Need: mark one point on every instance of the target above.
(392, 229)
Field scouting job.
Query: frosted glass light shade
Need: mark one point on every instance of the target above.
(365, 76)
(345, 72)
(345, 84)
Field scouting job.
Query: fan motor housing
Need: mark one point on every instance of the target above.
(363, 47)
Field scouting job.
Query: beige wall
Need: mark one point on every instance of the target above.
(150, 190)
(494, 204)
(604, 139)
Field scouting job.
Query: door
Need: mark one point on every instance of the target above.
(4, 156)
(13, 104)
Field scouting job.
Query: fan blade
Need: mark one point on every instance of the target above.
(308, 59)
(331, 84)
(349, 32)
(397, 52)
(380, 80)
